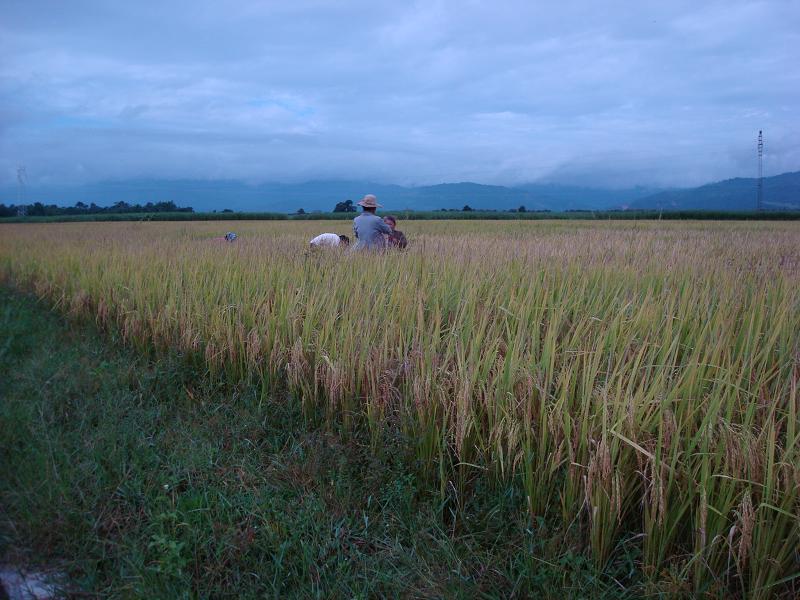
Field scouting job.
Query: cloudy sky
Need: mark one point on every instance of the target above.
(606, 93)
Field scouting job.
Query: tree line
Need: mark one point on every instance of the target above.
(37, 209)
(348, 206)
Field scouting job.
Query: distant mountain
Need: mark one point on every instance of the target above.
(323, 195)
(568, 197)
(202, 195)
(780, 192)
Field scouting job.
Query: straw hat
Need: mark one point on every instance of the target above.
(369, 201)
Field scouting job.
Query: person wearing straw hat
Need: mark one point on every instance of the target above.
(368, 227)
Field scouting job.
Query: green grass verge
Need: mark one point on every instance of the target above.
(143, 478)
(628, 215)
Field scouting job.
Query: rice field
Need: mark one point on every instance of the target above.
(637, 380)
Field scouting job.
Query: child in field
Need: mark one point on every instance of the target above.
(395, 239)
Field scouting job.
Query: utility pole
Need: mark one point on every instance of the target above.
(760, 200)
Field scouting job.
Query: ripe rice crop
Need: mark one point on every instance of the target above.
(639, 381)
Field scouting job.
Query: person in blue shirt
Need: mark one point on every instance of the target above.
(368, 227)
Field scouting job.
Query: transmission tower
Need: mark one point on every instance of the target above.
(760, 204)
(22, 176)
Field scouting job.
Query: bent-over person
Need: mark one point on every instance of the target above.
(331, 240)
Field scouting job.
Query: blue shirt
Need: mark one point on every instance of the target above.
(369, 230)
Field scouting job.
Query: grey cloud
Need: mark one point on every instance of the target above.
(613, 93)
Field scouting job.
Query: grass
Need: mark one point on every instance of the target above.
(422, 215)
(145, 478)
(633, 386)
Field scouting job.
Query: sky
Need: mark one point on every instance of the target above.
(610, 94)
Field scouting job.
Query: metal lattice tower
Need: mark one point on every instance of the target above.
(22, 177)
(760, 202)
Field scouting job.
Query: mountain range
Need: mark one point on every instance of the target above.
(780, 192)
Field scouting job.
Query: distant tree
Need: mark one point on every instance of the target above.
(300, 211)
(165, 207)
(467, 208)
(346, 206)
(521, 208)
(227, 210)
(36, 210)
(120, 207)
(8, 211)
(81, 206)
